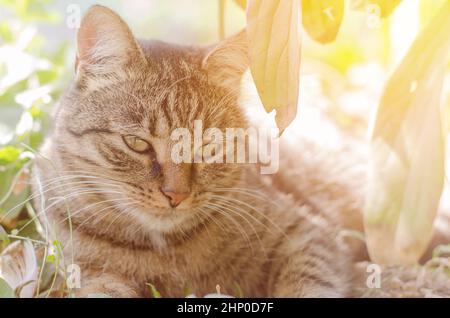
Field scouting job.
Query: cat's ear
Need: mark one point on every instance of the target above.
(105, 44)
(226, 62)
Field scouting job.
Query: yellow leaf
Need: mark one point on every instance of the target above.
(387, 6)
(241, 3)
(384, 7)
(407, 165)
(322, 18)
(273, 28)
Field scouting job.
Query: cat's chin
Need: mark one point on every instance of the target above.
(163, 219)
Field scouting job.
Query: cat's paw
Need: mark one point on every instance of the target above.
(106, 285)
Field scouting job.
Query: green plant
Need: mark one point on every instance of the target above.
(407, 161)
(31, 79)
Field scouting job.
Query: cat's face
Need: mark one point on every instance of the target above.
(116, 120)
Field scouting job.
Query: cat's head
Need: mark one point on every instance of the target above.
(128, 96)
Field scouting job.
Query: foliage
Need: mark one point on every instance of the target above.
(402, 198)
(155, 293)
(408, 152)
(30, 82)
(273, 27)
(31, 78)
(322, 19)
(408, 156)
(5, 290)
(386, 6)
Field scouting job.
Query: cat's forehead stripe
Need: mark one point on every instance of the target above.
(176, 108)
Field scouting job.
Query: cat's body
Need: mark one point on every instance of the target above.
(273, 235)
(274, 243)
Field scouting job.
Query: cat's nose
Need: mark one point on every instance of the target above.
(175, 198)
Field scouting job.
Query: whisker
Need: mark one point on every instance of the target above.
(33, 196)
(212, 218)
(90, 206)
(97, 213)
(229, 204)
(77, 176)
(257, 211)
(226, 215)
(207, 217)
(84, 173)
(117, 209)
(58, 200)
(252, 226)
(250, 192)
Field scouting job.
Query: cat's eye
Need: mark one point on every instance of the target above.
(137, 144)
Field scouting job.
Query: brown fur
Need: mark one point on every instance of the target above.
(274, 235)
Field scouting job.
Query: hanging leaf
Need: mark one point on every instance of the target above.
(221, 19)
(241, 3)
(273, 28)
(384, 7)
(322, 18)
(407, 169)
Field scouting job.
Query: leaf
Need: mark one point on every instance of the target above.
(239, 293)
(50, 258)
(273, 28)
(14, 190)
(384, 7)
(154, 291)
(187, 291)
(441, 251)
(9, 155)
(6, 32)
(322, 18)
(3, 235)
(387, 6)
(18, 267)
(4, 238)
(5, 290)
(407, 164)
(241, 3)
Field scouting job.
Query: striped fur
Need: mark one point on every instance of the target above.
(266, 235)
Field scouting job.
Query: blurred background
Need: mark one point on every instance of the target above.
(343, 79)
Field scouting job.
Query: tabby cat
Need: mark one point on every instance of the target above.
(128, 216)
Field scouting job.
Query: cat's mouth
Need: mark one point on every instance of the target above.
(163, 219)
(161, 211)
(154, 208)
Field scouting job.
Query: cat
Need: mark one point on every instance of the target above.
(106, 188)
